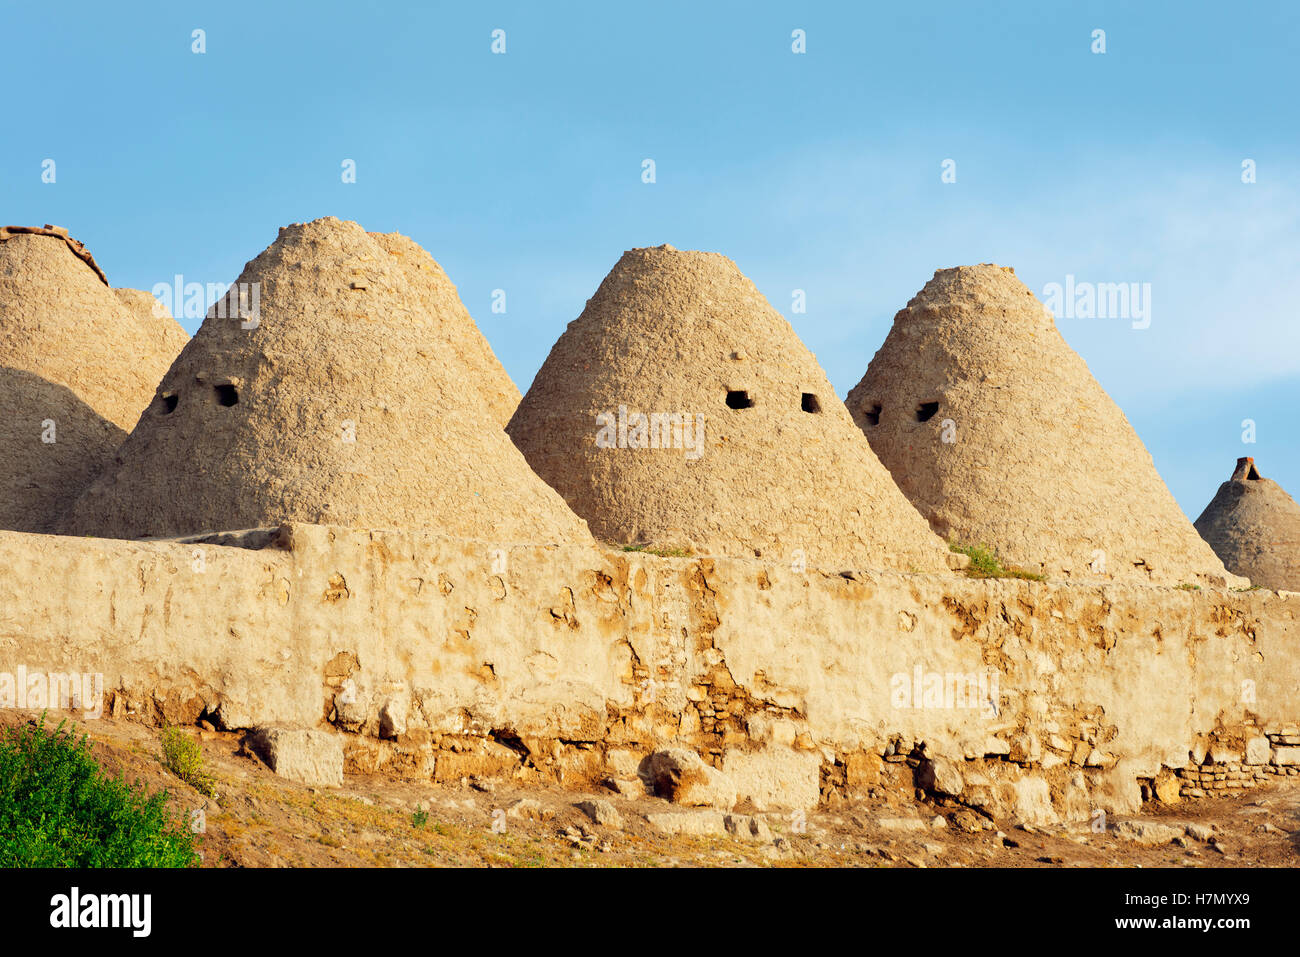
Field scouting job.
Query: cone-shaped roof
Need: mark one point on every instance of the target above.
(78, 363)
(996, 430)
(781, 470)
(499, 392)
(1254, 526)
(51, 445)
(333, 396)
(61, 321)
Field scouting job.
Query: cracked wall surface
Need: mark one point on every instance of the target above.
(445, 659)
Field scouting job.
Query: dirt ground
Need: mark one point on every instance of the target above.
(258, 819)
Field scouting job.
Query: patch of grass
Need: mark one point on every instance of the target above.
(660, 552)
(59, 809)
(985, 563)
(183, 757)
(1187, 586)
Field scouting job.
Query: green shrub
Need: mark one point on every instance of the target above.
(664, 552)
(183, 757)
(984, 563)
(420, 817)
(59, 809)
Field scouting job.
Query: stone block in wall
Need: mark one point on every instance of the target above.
(623, 762)
(392, 717)
(1026, 748)
(862, 771)
(578, 766)
(489, 760)
(1222, 754)
(772, 729)
(939, 775)
(1166, 787)
(681, 776)
(775, 777)
(1072, 802)
(1286, 756)
(309, 757)
(1034, 802)
(1116, 791)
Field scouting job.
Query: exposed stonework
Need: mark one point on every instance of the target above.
(573, 664)
(762, 458)
(1254, 526)
(78, 363)
(995, 429)
(1229, 759)
(346, 399)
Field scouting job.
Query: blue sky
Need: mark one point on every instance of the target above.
(818, 171)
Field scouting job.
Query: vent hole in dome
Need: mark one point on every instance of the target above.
(739, 399)
(169, 403)
(809, 403)
(872, 414)
(926, 411)
(227, 395)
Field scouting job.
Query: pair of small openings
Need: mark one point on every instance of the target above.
(924, 412)
(739, 399)
(227, 395)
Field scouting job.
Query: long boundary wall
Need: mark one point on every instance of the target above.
(445, 659)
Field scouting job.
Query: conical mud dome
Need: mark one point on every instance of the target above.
(996, 430)
(78, 364)
(1254, 526)
(325, 388)
(680, 409)
(499, 394)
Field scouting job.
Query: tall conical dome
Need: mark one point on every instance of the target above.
(761, 457)
(1254, 526)
(996, 430)
(340, 401)
(78, 364)
(499, 393)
